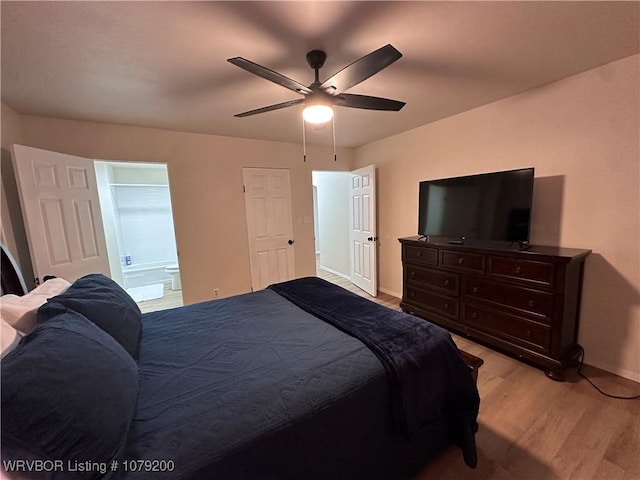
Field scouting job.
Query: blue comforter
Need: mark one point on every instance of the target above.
(217, 376)
(254, 386)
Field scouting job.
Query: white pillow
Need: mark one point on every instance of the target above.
(20, 312)
(9, 338)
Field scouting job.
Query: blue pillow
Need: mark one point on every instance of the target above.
(106, 304)
(68, 393)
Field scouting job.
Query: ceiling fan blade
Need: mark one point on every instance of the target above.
(270, 108)
(270, 75)
(362, 69)
(367, 102)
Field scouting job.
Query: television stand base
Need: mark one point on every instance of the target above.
(524, 246)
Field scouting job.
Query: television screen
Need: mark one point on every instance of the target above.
(491, 206)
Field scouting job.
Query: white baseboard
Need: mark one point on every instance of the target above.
(335, 272)
(389, 292)
(621, 372)
(347, 277)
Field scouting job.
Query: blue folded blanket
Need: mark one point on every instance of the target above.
(427, 375)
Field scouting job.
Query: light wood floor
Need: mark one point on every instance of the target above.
(531, 427)
(171, 299)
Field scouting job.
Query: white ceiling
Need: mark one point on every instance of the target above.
(163, 64)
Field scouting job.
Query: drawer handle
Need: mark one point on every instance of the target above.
(531, 303)
(475, 289)
(474, 315)
(446, 306)
(413, 274)
(528, 333)
(446, 282)
(419, 254)
(460, 261)
(413, 294)
(518, 269)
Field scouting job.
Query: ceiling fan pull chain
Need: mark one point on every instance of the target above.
(304, 143)
(333, 123)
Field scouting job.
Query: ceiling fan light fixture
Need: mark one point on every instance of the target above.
(317, 113)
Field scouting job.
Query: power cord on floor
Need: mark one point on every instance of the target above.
(580, 363)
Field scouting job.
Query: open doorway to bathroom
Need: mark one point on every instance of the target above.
(135, 200)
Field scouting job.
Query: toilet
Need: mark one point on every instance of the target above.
(174, 271)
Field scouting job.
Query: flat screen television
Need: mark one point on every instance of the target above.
(486, 207)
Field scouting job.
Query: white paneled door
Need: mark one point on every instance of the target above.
(61, 209)
(363, 238)
(270, 226)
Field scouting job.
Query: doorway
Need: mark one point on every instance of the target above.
(135, 201)
(331, 223)
(84, 216)
(345, 226)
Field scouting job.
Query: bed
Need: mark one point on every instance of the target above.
(301, 380)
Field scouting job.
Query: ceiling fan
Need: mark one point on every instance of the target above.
(318, 98)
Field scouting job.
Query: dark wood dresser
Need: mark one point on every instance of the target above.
(525, 303)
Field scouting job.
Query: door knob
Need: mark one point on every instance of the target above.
(290, 242)
(371, 239)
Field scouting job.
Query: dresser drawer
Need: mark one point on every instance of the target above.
(525, 303)
(509, 327)
(420, 255)
(523, 271)
(462, 261)
(441, 304)
(525, 299)
(446, 281)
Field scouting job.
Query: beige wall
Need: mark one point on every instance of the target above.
(205, 174)
(11, 133)
(581, 135)
(11, 225)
